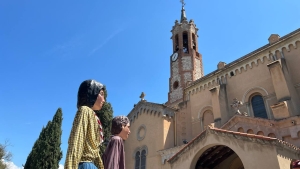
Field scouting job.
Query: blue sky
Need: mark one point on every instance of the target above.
(48, 48)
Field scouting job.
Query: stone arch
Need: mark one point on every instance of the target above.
(297, 43)
(201, 115)
(243, 69)
(140, 156)
(260, 133)
(236, 71)
(272, 135)
(212, 148)
(253, 90)
(250, 131)
(208, 118)
(252, 64)
(248, 66)
(259, 61)
(291, 47)
(277, 54)
(257, 90)
(285, 50)
(240, 129)
(140, 149)
(136, 116)
(203, 109)
(209, 84)
(204, 86)
(236, 164)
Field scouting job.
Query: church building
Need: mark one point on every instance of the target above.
(243, 115)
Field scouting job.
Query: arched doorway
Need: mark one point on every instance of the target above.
(219, 157)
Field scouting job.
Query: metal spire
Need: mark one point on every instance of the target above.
(183, 16)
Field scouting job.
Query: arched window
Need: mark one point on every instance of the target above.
(140, 157)
(258, 107)
(143, 159)
(137, 160)
(185, 41)
(208, 118)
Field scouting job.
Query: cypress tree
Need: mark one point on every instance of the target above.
(46, 152)
(105, 115)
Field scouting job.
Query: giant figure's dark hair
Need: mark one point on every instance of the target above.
(117, 123)
(88, 92)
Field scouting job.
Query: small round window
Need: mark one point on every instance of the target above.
(175, 85)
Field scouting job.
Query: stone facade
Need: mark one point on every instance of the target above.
(246, 110)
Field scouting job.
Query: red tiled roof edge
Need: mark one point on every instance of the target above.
(198, 138)
(203, 134)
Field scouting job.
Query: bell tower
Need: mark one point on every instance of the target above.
(185, 61)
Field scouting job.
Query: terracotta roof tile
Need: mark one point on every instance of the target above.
(185, 148)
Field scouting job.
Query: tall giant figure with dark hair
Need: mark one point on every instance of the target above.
(86, 134)
(114, 155)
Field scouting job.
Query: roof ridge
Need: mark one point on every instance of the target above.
(210, 128)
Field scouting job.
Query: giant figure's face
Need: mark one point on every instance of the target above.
(124, 134)
(100, 101)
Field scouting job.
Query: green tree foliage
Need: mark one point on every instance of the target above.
(4, 155)
(46, 152)
(105, 115)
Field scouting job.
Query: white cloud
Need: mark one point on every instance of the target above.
(61, 166)
(11, 165)
(106, 40)
(66, 49)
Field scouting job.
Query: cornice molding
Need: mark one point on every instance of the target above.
(262, 54)
(148, 108)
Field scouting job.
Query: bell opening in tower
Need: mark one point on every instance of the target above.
(176, 44)
(185, 42)
(175, 85)
(194, 41)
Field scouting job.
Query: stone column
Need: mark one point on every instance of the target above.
(249, 112)
(201, 124)
(219, 104)
(285, 92)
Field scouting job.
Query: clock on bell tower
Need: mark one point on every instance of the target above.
(185, 61)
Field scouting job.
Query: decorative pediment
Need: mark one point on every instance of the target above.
(144, 107)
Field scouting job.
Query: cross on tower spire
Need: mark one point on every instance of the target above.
(182, 2)
(183, 16)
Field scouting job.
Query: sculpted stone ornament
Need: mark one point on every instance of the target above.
(142, 96)
(236, 105)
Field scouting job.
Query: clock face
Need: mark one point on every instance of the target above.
(174, 57)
